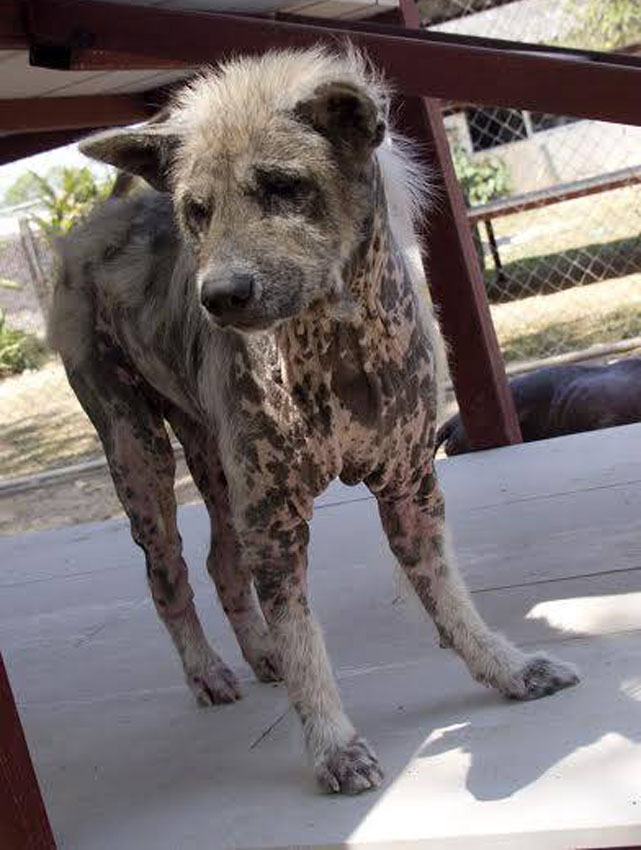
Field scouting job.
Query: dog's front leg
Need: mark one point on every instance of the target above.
(413, 515)
(275, 536)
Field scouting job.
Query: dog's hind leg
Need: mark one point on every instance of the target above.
(225, 564)
(142, 466)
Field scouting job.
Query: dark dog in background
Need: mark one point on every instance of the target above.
(565, 400)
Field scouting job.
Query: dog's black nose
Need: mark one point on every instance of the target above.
(226, 297)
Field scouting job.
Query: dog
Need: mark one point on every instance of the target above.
(562, 400)
(264, 299)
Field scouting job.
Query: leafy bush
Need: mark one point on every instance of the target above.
(18, 350)
(482, 180)
(64, 196)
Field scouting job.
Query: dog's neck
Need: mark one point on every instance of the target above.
(350, 371)
(374, 311)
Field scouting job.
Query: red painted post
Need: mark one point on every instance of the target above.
(23, 818)
(456, 282)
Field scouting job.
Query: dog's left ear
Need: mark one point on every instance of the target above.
(145, 151)
(347, 117)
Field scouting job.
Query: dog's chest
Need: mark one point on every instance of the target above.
(354, 388)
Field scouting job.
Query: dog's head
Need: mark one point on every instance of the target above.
(270, 165)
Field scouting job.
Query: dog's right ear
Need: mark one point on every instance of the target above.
(146, 151)
(347, 116)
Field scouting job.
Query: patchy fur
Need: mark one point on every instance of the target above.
(268, 302)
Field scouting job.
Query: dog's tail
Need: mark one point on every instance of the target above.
(454, 435)
(445, 432)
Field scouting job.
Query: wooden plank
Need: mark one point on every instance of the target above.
(457, 284)
(23, 818)
(33, 114)
(555, 194)
(593, 85)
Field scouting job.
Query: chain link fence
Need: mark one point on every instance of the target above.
(554, 201)
(26, 270)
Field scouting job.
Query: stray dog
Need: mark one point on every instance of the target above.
(564, 400)
(266, 303)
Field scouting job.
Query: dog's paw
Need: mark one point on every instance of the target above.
(214, 684)
(540, 676)
(351, 769)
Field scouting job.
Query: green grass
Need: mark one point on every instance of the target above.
(563, 337)
(551, 273)
(572, 320)
(583, 259)
(572, 224)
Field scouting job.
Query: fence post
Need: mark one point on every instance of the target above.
(41, 283)
(457, 281)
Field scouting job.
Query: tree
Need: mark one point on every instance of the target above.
(63, 197)
(23, 190)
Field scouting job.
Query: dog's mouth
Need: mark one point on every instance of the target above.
(244, 324)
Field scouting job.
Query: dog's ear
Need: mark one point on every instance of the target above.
(146, 151)
(347, 116)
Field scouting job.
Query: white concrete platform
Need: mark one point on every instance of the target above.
(549, 537)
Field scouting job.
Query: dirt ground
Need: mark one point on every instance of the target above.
(85, 497)
(42, 426)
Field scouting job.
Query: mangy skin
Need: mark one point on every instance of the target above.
(267, 421)
(561, 400)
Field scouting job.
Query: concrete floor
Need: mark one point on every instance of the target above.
(549, 537)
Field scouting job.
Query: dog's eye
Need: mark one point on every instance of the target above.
(279, 192)
(197, 215)
(288, 188)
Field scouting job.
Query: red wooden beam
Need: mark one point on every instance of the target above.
(71, 113)
(385, 24)
(19, 145)
(603, 86)
(23, 818)
(12, 32)
(457, 283)
(86, 59)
